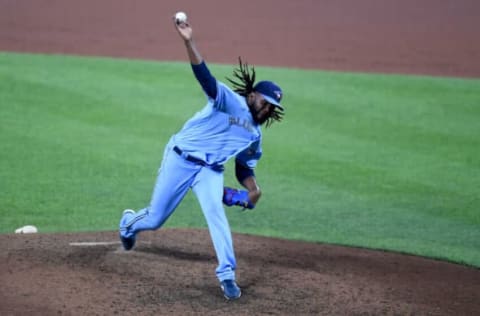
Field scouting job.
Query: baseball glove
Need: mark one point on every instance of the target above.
(237, 197)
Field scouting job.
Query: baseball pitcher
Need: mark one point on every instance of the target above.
(228, 126)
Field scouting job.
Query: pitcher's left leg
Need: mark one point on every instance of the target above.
(208, 187)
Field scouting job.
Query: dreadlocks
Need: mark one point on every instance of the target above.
(243, 85)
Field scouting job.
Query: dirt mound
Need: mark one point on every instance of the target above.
(171, 271)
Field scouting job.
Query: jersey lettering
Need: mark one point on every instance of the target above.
(242, 123)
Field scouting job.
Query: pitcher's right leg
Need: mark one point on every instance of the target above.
(128, 240)
(174, 179)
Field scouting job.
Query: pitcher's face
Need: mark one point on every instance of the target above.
(260, 108)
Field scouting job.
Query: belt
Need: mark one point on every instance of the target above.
(198, 161)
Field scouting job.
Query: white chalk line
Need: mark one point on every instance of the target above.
(94, 243)
(99, 243)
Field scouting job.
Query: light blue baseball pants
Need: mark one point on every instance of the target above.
(176, 176)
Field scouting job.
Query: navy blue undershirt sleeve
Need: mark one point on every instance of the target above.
(242, 172)
(206, 80)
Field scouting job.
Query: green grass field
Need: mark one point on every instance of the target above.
(378, 161)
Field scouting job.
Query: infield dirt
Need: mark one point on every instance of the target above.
(171, 271)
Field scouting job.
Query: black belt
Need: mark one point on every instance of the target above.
(198, 161)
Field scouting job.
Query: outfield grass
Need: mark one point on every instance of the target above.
(377, 161)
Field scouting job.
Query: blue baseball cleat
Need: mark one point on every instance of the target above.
(127, 241)
(230, 289)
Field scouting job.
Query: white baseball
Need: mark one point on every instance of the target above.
(180, 17)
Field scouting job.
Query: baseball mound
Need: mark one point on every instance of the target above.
(171, 271)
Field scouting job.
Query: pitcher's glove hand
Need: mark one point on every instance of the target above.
(236, 197)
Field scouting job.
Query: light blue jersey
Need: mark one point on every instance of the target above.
(224, 128)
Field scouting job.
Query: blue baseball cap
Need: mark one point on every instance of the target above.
(270, 91)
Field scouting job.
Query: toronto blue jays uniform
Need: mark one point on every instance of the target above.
(194, 159)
